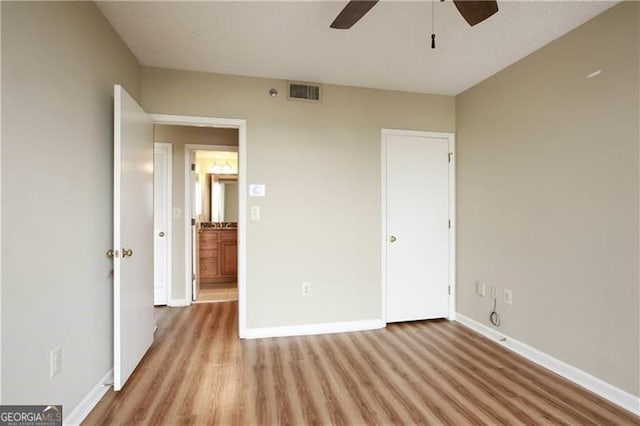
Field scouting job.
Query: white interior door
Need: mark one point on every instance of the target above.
(132, 235)
(196, 191)
(417, 227)
(161, 222)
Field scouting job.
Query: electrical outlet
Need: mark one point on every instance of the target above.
(306, 289)
(481, 289)
(55, 361)
(494, 292)
(507, 296)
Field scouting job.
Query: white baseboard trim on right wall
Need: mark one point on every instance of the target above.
(607, 391)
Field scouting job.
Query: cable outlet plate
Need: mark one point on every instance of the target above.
(481, 289)
(494, 292)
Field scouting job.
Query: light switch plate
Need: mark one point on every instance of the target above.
(255, 213)
(257, 190)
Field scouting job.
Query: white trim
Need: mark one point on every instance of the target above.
(91, 399)
(184, 120)
(168, 147)
(177, 303)
(311, 329)
(117, 154)
(607, 391)
(0, 218)
(452, 229)
(383, 226)
(450, 137)
(241, 125)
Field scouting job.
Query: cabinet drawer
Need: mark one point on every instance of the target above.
(208, 252)
(208, 236)
(208, 267)
(228, 235)
(208, 244)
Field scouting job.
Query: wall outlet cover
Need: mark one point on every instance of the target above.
(55, 361)
(306, 289)
(507, 296)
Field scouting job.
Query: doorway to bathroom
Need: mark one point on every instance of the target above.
(215, 202)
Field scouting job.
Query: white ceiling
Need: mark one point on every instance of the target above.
(388, 49)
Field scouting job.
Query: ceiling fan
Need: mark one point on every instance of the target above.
(473, 11)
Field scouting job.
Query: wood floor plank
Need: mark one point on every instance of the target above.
(198, 372)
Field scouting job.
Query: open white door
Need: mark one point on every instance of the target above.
(132, 236)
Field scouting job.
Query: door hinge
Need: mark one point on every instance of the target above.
(449, 288)
(193, 277)
(193, 222)
(193, 167)
(449, 155)
(449, 223)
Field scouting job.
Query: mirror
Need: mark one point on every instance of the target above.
(224, 197)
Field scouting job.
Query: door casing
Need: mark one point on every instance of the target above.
(229, 123)
(452, 214)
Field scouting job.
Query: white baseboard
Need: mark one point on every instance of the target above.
(82, 410)
(609, 392)
(178, 303)
(311, 329)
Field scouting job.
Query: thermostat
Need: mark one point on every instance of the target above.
(256, 190)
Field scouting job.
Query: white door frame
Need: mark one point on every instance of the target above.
(169, 233)
(452, 213)
(188, 149)
(241, 125)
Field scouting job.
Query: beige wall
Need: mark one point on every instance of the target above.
(548, 197)
(179, 136)
(59, 64)
(321, 216)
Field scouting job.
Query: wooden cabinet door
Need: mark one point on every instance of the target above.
(229, 258)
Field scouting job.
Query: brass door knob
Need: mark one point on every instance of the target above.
(110, 253)
(392, 239)
(127, 252)
(161, 234)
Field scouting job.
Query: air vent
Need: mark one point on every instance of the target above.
(304, 91)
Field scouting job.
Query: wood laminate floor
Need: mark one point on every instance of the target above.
(430, 372)
(208, 295)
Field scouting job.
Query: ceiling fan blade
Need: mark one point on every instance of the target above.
(476, 11)
(352, 12)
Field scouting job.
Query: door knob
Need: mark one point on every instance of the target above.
(392, 239)
(127, 252)
(110, 253)
(161, 234)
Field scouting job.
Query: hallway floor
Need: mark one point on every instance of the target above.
(209, 293)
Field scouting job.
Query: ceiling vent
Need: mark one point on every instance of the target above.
(299, 91)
